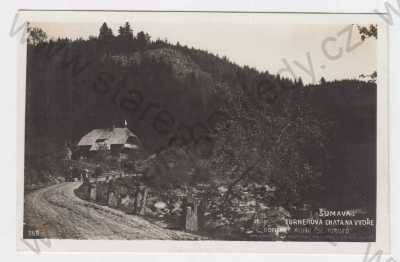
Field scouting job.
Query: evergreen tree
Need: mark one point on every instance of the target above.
(142, 40)
(125, 32)
(36, 36)
(105, 33)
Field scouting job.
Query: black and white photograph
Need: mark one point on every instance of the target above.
(202, 126)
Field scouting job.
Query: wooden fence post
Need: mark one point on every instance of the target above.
(143, 204)
(191, 223)
(93, 192)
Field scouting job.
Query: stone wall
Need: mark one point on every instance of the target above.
(133, 197)
(115, 193)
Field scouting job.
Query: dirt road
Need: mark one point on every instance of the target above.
(58, 214)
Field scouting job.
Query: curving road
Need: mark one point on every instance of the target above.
(58, 214)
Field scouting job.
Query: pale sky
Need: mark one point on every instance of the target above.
(246, 42)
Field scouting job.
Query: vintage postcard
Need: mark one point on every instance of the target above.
(203, 132)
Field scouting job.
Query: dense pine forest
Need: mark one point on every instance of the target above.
(228, 126)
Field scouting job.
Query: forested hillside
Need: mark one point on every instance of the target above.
(222, 123)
